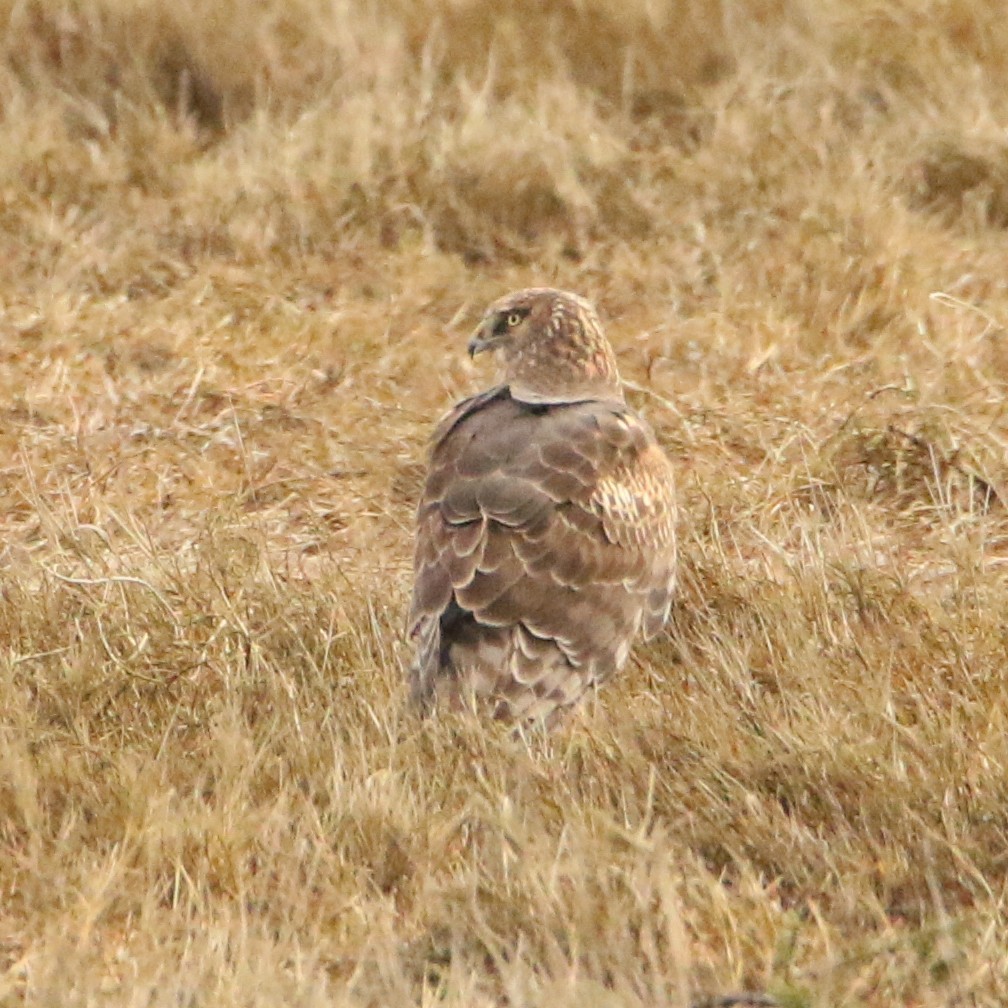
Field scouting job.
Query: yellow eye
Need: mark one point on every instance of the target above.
(514, 318)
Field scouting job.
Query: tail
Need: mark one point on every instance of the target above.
(423, 669)
(459, 661)
(431, 665)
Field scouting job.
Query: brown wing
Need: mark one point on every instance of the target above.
(545, 540)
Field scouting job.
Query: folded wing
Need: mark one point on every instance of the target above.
(545, 542)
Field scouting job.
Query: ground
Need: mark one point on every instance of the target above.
(243, 245)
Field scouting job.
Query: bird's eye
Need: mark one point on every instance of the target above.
(514, 318)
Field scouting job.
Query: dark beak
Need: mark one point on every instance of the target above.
(482, 339)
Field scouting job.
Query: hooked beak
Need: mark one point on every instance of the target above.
(482, 339)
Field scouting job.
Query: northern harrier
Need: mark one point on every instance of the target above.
(545, 534)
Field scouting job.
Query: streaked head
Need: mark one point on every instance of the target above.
(551, 345)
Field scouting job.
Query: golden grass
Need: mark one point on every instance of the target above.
(242, 244)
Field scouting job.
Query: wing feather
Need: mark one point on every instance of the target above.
(554, 527)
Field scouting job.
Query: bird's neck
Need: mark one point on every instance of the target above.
(564, 379)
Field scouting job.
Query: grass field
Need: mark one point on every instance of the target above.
(243, 244)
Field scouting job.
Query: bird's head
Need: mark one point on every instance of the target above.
(551, 345)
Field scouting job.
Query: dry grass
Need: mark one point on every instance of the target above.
(242, 243)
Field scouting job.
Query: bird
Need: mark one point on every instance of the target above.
(545, 537)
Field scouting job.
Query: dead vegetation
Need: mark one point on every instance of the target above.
(242, 244)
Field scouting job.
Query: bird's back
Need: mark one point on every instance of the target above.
(545, 541)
